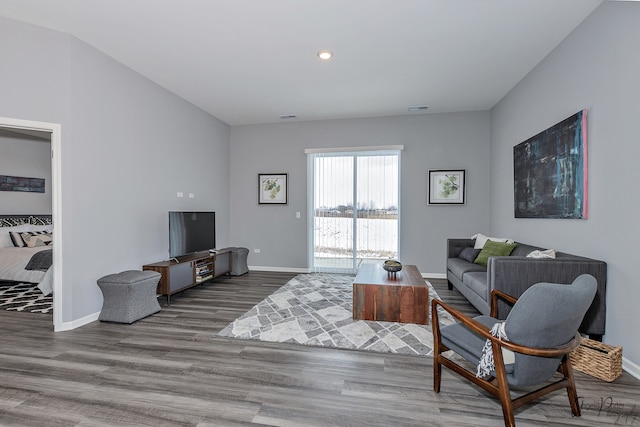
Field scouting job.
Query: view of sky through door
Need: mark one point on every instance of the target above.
(355, 209)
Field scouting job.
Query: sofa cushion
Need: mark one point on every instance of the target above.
(459, 267)
(492, 248)
(477, 282)
(524, 250)
(481, 239)
(469, 254)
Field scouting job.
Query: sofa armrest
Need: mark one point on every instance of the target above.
(455, 246)
(515, 274)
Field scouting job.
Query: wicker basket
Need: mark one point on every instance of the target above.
(598, 359)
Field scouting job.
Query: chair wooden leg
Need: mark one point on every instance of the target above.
(437, 372)
(504, 393)
(572, 392)
(507, 410)
(438, 348)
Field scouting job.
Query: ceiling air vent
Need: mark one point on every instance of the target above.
(288, 117)
(418, 108)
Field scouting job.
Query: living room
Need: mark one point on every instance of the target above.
(128, 146)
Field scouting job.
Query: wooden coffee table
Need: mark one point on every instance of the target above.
(380, 296)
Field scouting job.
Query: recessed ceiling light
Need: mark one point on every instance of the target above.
(418, 108)
(325, 55)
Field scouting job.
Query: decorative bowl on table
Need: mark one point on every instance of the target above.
(392, 266)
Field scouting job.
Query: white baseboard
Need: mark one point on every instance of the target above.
(279, 269)
(631, 367)
(67, 326)
(308, 270)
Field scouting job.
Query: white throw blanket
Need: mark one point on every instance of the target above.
(549, 253)
(486, 365)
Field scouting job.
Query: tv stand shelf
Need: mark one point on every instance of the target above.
(186, 272)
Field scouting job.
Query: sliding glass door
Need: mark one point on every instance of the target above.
(354, 208)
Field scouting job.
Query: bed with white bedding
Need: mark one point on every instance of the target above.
(25, 264)
(12, 268)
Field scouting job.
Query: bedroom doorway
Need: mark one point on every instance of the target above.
(54, 130)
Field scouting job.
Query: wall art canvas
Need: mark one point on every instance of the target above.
(273, 188)
(550, 172)
(19, 183)
(446, 187)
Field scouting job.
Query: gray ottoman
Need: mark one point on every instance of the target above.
(239, 261)
(129, 296)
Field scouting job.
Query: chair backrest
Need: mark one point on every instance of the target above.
(546, 315)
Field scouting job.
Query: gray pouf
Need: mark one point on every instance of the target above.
(129, 296)
(239, 261)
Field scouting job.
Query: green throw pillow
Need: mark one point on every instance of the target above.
(492, 248)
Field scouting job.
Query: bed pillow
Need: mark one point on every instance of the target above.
(469, 254)
(492, 248)
(16, 239)
(47, 228)
(32, 239)
(5, 237)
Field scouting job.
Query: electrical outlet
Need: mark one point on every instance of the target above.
(256, 251)
(180, 194)
(192, 195)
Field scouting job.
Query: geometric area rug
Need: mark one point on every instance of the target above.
(27, 297)
(315, 309)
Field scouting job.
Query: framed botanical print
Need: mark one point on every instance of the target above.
(446, 187)
(273, 188)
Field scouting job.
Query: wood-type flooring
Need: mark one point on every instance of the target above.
(172, 369)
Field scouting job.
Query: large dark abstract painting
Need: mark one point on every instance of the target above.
(550, 172)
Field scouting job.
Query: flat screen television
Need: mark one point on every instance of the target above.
(191, 232)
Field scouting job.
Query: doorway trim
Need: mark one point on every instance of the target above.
(56, 208)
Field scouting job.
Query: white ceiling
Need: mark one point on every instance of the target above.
(251, 61)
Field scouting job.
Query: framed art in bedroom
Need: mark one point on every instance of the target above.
(20, 183)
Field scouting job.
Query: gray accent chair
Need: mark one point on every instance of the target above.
(541, 329)
(129, 296)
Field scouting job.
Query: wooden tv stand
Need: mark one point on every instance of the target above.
(189, 271)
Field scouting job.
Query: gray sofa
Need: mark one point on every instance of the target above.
(515, 273)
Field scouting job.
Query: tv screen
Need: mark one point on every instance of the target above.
(191, 232)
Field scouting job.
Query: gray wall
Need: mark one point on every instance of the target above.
(596, 67)
(431, 141)
(25, 156)
(127, 145)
